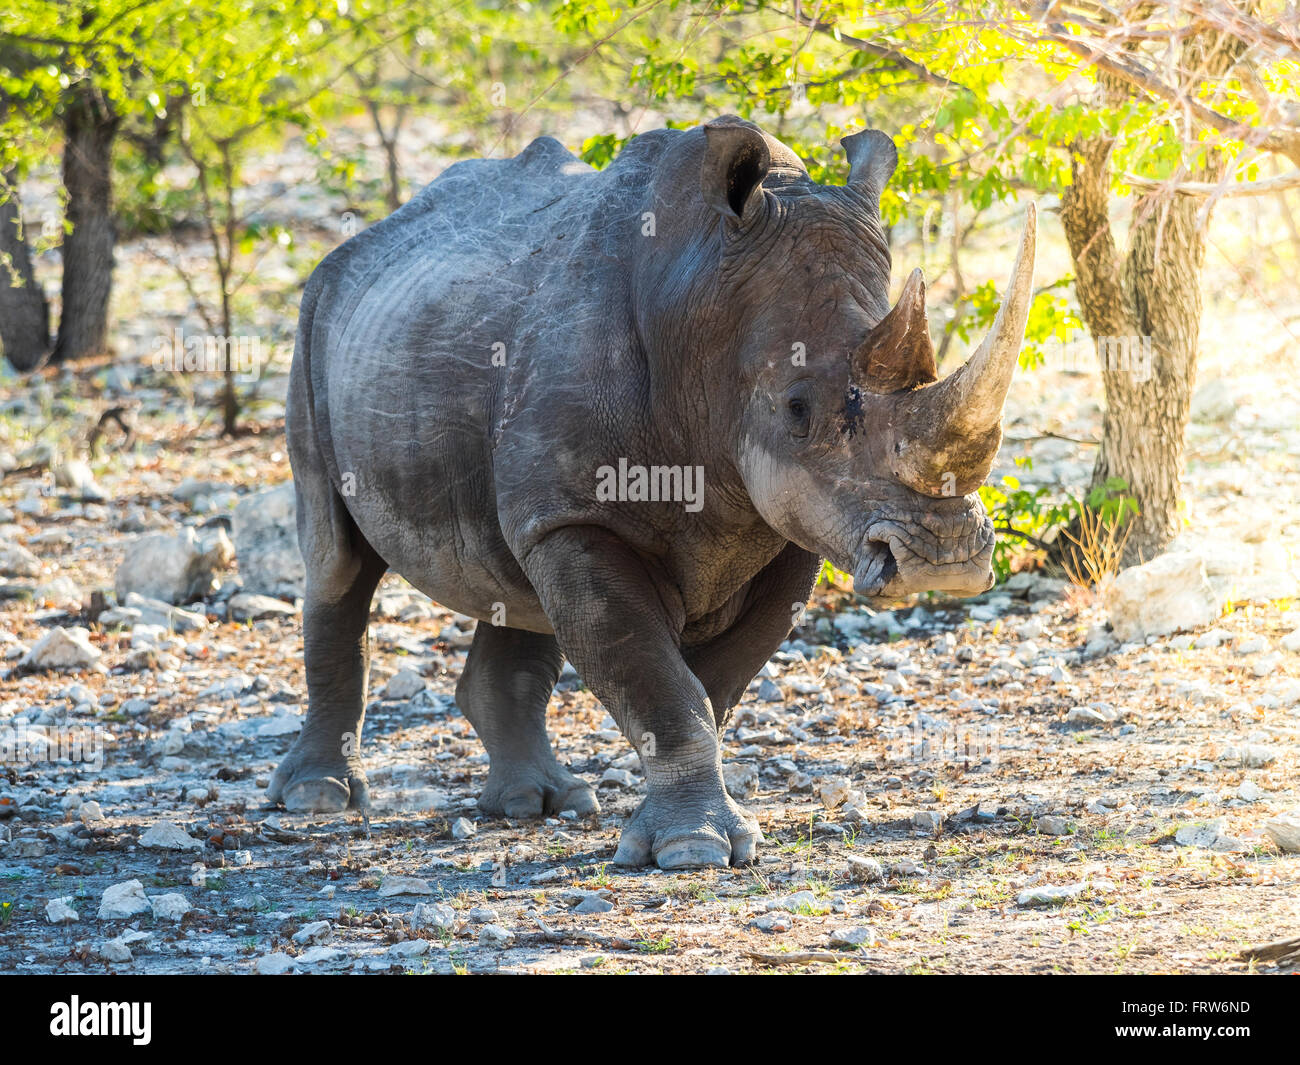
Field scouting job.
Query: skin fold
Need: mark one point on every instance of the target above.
(464, 370)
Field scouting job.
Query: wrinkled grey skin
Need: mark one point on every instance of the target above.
(413, 451)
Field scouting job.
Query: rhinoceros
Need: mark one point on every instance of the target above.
(620, 416)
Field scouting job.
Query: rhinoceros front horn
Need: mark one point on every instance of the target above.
(947, 433)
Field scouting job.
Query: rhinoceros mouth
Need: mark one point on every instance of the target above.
(900, 555)
(876, 568)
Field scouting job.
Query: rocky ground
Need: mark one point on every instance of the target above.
(1044, 779)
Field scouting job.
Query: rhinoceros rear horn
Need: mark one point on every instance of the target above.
(897, 353)
(736, 161)
(872, 159)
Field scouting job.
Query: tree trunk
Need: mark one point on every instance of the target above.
(89, 129)
(1144, 315)
(24, 314)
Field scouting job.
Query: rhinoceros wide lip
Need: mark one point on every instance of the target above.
(877, 574)
(876, 567)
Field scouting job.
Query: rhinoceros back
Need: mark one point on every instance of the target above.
(427, 327)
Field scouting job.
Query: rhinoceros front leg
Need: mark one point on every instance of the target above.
(619, 623)
(503, 691)
(728, 662)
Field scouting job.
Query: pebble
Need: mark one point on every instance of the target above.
(405, 684)
(1200, 834)
(495, 937)
(123, 900)
(316, 932)
(1284, 830)
(1051, 895)
(852, 938)
(433, 915)
(275, 965)
(404, 885)
(864, 870)
(927, 820)
(463, 828)
(620, 778)
(774, 922)
(60, 911)
(115, 950)
(168, 835)
(170, 907)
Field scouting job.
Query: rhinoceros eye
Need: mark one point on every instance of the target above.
(798, 415)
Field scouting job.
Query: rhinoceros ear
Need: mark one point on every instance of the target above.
(872, 158)
(735, 162)
(897, 353)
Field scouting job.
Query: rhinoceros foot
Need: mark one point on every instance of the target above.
(684, 828)
(311, 782)
(530, 790)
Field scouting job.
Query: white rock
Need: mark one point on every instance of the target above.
(864, 870)
(619, 778)
(1291, 641)
(17, 561)
(155, 614)
(404, 885)
(495, 937)
(800, 902)
(741, 779)
(169, 836)
(170, 907)
(405, 684)
(835, 791)
(316, 932)
(1284, 830)
(463, 828)
(433, 915)
(410, 948)
(62, 649)
(1051, 895)
(927, 820)
(90, 813)
(1168, 594)
(266, 543)
(1256, 755)
(60, 911)
(1265, 664)
(246, 606)
(850, 938)
(123, 900)
(1200, 834)
(115, 950)
(173, 568)
(275, 965)
(1249, 791)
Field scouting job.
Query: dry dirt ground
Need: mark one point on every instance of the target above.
(985, 786)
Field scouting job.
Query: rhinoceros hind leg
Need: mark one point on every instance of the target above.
(503, 691)
(322, 772)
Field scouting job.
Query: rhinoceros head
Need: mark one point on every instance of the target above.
(847, 442)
